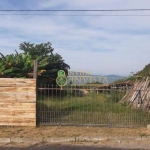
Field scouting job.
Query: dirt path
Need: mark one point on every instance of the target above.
(64, 131)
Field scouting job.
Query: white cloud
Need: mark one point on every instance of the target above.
(105, 45)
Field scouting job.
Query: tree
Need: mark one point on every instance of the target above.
(19, 65)
(47, 60)
(35, 50)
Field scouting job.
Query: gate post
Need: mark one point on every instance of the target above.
(35, 72)
(35, 76)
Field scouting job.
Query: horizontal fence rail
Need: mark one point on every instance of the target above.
(91, 105)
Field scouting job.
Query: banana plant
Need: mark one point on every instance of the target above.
(18, 65)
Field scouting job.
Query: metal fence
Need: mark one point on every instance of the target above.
(90, 105)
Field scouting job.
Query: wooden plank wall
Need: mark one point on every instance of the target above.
(17, 102)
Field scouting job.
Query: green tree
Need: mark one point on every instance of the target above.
(19, 65)
(47, 60)
(35, 50)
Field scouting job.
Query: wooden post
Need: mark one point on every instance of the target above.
(35, 76)
(35, 72)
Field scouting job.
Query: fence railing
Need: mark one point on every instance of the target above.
(89, 105)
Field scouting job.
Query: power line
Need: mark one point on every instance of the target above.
(70, 15)
(79, 10)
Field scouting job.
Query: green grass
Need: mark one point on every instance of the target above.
(92, 109)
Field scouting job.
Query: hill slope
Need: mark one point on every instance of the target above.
(145, 72)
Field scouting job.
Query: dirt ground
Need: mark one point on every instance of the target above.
(70, 131)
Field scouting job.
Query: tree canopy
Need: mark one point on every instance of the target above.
(19, 65)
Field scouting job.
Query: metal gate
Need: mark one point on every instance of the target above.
(91, 105)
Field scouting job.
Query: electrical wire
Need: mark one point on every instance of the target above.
(79, 10)
(71, 15)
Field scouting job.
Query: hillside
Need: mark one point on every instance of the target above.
(94, 79)
(113, 78)
(145, 72)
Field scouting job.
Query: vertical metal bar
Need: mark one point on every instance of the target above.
(42, 101)
(45, 117)
(118, 115)
(48, 105)
(67, 98)
(57, 107)
(52, 111)
(110, 116)
(61, 113)
(92, 101)
(72, 104)
(76, 101)
(102, 103)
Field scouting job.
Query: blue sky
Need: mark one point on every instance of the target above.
(99, 44)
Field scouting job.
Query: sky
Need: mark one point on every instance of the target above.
(96, 42)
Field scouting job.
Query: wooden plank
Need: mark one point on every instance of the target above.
(10, 82)
(18, 106)
(18, 122)
(19, 80)
(17, 102)
(15, 114)
(17, 97)
(14, 85)
(18, 89)
(17, 84)
(23, 114)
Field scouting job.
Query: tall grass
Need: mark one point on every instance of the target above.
(95, 109)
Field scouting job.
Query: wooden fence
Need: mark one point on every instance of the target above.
(17, 102)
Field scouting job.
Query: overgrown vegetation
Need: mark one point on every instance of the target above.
(92, 108)
(15, 65)
(19, 65)
(145, 72)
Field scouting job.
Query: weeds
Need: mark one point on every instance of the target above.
(100, 109)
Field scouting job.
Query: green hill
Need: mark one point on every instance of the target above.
(145, 72)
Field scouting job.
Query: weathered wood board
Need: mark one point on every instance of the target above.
(17, 102)
(11, 82)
